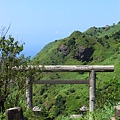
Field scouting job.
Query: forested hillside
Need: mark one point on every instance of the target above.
(95, 46)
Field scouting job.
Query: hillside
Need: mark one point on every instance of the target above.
(98, 41)
(94, 46)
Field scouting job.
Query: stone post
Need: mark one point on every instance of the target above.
(28, 93)
(14, 113)
(92, 90)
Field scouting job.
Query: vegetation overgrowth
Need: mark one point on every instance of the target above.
(95, 46)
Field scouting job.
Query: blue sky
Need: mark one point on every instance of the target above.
(38, 22)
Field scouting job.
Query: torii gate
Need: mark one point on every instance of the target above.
(68, 68)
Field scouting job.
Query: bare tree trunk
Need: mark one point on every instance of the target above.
(2, 108)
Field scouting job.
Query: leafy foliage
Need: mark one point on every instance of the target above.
(11, 82)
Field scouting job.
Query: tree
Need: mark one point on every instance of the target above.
(10, 80)
(106, 37)
(60, 105)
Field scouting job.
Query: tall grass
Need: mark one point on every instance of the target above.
(101, 114)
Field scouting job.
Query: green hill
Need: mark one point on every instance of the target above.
(96, 46)
(101, 41)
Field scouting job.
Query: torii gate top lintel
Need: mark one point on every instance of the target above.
(72, 68)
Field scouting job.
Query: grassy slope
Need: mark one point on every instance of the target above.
(106, 53)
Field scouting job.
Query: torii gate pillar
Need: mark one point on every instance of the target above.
(92, 94)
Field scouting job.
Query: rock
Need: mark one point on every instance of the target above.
(36, 108)
(64, 49)
(84, 54)
(75, 116)
(113, 118)
(36, 111)
(84, 109)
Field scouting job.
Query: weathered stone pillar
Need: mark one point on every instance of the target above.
(28, 93)
(92, 91)
(117, 112)
(14, 113)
